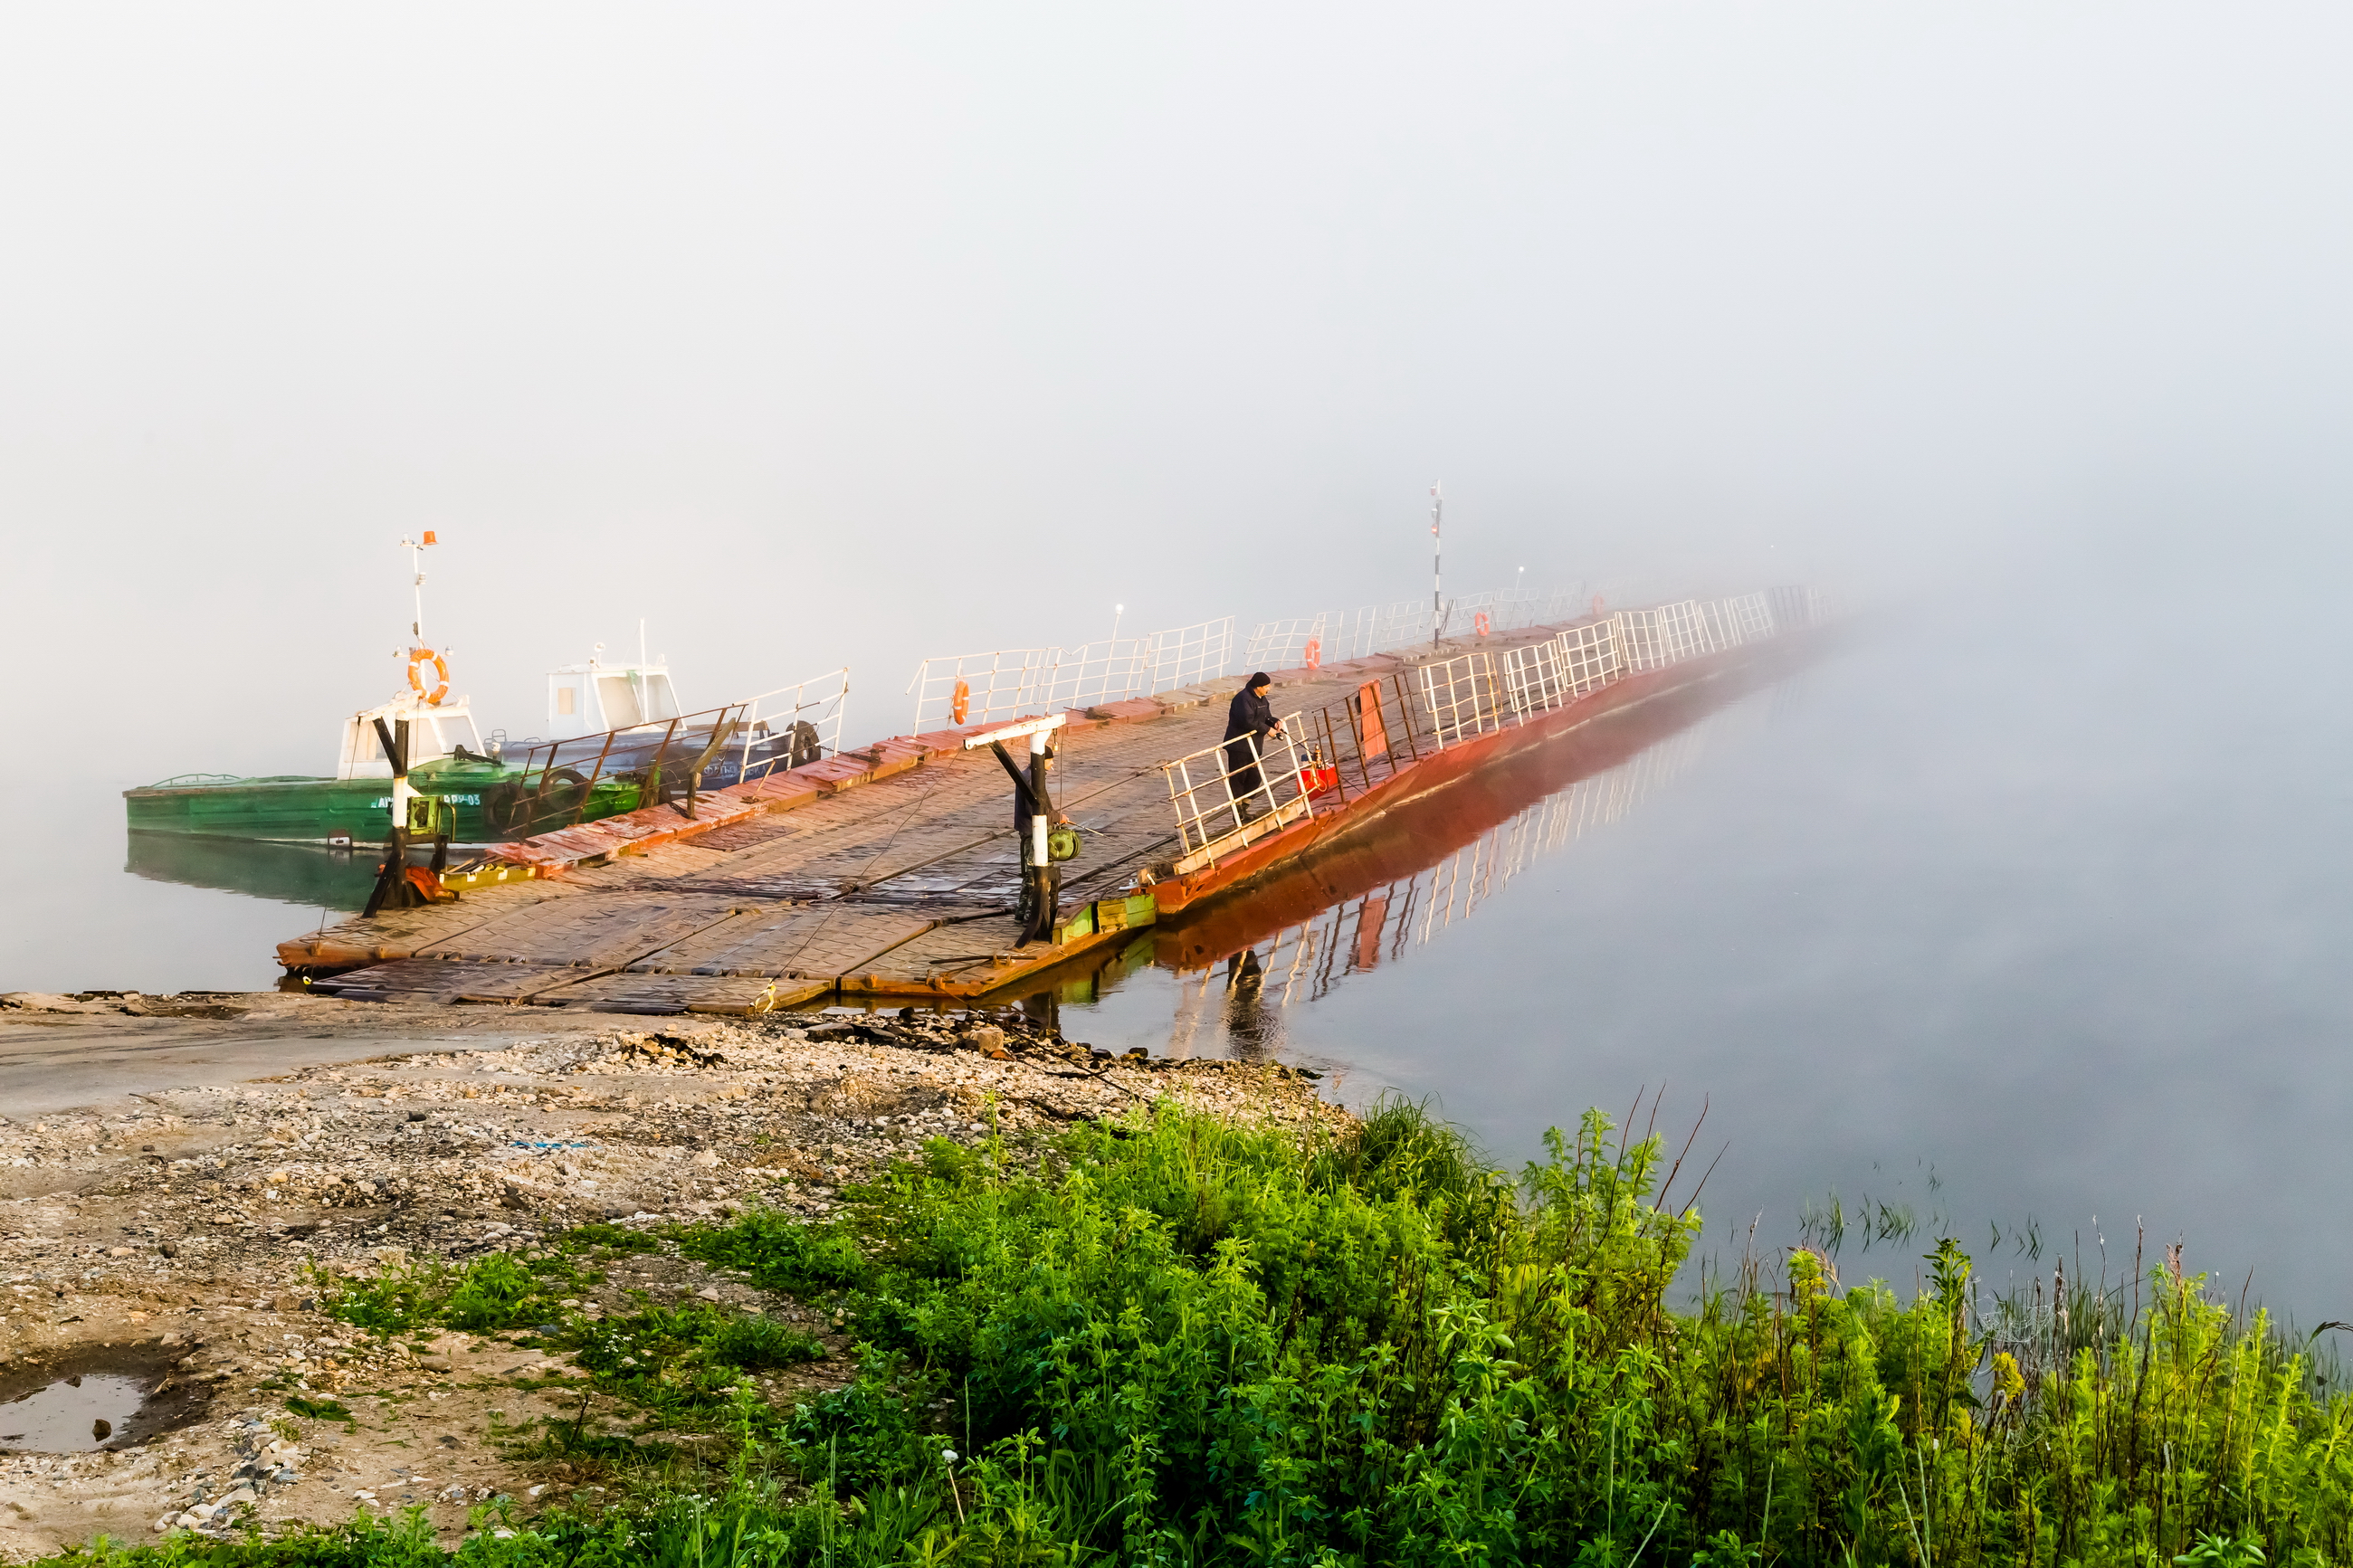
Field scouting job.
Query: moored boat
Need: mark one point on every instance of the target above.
(620, 741)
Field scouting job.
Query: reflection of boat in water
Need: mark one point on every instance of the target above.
(306, 873)
(620, 741)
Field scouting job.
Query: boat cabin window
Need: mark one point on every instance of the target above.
(621, 708)
(567, 699)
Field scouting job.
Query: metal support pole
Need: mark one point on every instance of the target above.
(1437, 576)
(1044, 878)
(397, 754)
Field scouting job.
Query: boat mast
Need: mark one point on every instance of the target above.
(415, 548)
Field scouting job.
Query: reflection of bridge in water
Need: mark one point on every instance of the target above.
(1432, 864)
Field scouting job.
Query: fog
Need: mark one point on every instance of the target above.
(816, 336)
(825, 336)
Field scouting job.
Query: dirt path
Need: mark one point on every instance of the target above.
(179, 1221)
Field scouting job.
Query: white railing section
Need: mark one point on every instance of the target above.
(1283, 645)
(974, 688)
(1532, 677)
(1109, 672)
(810, 712)
(1231, 795)
(1358, 744)
(1682, 627)
(1378, 628)
(1462, 614)
(1734, 622)
(1462, 696)
(1384, 628)
(1537, 608)
(1187, 655)
(1008, 683)
(1590, 657)
(1794, 609)
(1640, 646)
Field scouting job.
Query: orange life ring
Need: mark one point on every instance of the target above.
(960, 704)
(1480, 623)
(1314, 653)
(417, 659)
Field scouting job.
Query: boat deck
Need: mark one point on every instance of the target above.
(889, 873)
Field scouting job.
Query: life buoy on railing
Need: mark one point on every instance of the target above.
(1480, 623)
(418, 657)
(1314, 653)
(960, 703)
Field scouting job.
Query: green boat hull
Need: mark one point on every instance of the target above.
(326, 811)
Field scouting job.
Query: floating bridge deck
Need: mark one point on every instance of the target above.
(892, 872)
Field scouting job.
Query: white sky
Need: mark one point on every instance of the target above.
(827, 334)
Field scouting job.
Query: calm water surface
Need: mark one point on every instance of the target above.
(2031, 918)
(2037, 921)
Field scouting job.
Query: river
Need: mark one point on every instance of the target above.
(2021, 920)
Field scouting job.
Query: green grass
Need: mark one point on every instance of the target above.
(498, 1290)
(1182, 1341)
(320, 1410)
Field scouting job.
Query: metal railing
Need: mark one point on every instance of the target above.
(1683, 628)
(1792, 609)
(1384, 628)
(1283, 645)
(1590, 656)
(1533, 675)
(976, 687)
(1107, 671)
(1538, 607)
(1640, 644)
(1462, 696)
(1371, 733)
(1732, 622)
(1387, 723)
(654, 762)
(1378, 628)
(1229, 795)
(1187, 655)
(1384, 925)
(807, 714)
(1009, 683)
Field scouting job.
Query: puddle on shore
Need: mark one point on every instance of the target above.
(94, 1396)
(73, 1415)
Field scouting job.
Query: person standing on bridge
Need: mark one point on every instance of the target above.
(1248, 722)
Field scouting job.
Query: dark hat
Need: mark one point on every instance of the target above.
(1255, 681)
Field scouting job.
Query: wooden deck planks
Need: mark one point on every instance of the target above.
(807, 942)
(587, 933)
(631, 991)
(397, 933)
(896, 884)
(445, 981)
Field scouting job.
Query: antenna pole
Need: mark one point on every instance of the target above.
(641, 642)
(415, 548)
(1437, 576)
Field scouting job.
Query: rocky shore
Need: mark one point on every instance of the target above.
(188, 1234)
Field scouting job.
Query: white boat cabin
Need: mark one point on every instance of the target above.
(589, 699)
(434, 732)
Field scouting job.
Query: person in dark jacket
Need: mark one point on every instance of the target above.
(1248, 722)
